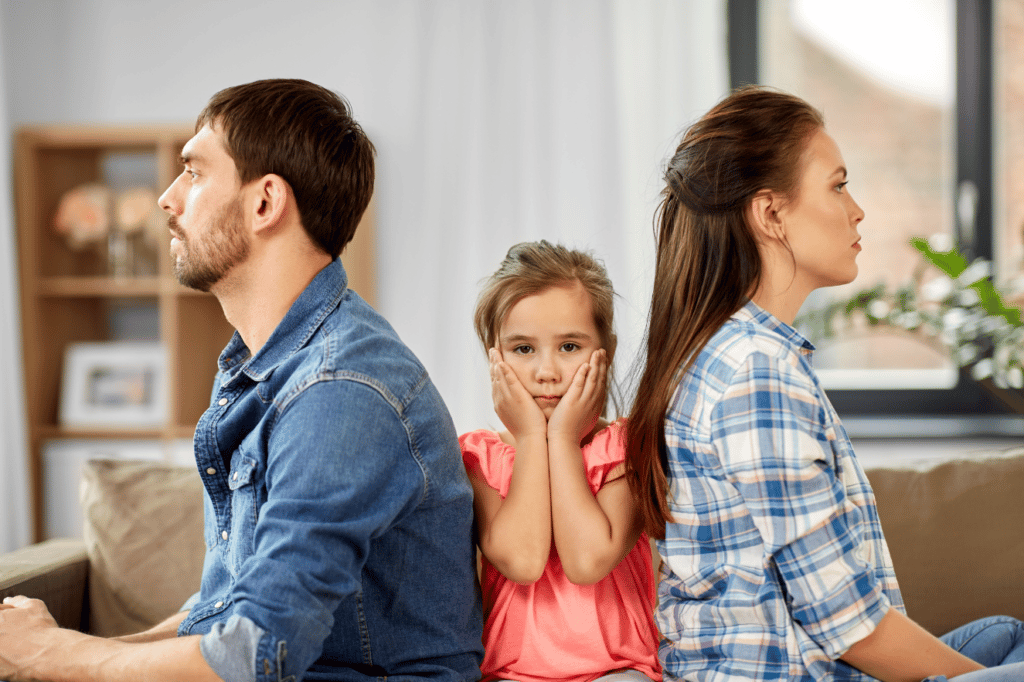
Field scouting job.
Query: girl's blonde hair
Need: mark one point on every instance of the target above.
(531, 268)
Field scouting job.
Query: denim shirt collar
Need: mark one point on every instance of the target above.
(751, 312)
(307, 313)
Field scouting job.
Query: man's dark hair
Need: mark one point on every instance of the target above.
(306, 134)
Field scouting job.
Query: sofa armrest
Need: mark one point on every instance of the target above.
(55, 571)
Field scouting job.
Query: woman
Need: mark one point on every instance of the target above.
(775, 565)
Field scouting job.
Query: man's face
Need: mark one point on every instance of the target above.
(207, 221)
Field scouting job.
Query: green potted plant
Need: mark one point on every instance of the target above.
(951, 304)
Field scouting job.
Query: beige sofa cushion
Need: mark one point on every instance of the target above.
(956, 535)
(144, 536)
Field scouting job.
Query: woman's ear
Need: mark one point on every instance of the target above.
(269, 202)
(763, 216)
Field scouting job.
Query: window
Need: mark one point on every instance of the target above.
(907, 92)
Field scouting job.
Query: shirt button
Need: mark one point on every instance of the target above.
(211, 471)
(234, 476)
(224, 534)
(218, 605)
(222, 402)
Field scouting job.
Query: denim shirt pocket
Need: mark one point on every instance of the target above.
(242, 481)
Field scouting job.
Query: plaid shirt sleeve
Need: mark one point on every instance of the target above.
(774, 444)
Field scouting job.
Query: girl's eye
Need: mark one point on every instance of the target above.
(569, 347)
(842, 185)
(522, 350)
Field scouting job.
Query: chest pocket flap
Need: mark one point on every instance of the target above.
(242, 473)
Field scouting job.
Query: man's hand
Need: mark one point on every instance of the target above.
(25, 629)
(33, 647)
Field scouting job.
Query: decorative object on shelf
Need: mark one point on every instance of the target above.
(129, 222)
(133, 240)
(950, 304)
(83, 215)
(114, 385)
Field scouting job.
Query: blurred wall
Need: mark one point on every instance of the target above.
(495, 121)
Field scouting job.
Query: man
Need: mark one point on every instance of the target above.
(338, 514)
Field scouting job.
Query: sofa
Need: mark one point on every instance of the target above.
(140, 556)
(955, 529)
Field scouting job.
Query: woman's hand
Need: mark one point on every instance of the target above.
(577, 412)
(514, 405)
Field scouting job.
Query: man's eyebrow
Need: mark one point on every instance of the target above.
(189, 157)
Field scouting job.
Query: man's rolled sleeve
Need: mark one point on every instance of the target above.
(776, 449)
(230, 649)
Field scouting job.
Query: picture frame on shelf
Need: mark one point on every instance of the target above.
(114, 385)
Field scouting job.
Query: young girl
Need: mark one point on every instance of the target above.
(567, 580)
(775, 566)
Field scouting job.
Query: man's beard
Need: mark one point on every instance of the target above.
(204, 262)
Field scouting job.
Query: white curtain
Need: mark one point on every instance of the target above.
(534, 120)
(14, 507)
(495, 121)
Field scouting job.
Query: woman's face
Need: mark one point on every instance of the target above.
(821, 220)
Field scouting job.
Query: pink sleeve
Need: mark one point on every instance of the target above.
(604, 453)
(484, 454)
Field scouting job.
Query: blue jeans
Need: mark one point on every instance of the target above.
(996, 642)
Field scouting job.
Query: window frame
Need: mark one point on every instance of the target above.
(967, 401)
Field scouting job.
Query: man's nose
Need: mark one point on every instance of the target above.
(169, 200)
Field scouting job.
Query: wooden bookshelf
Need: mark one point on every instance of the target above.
(67, 295)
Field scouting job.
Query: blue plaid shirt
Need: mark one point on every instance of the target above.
(776, 564)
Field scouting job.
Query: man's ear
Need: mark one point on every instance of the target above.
(270, 201)
(763, 216)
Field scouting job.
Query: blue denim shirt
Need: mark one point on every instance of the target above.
(338, 514)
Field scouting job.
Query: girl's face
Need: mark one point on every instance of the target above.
(545, 339)
(821, 221)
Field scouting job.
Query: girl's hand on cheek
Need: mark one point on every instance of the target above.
(578, 410)
(512, 402)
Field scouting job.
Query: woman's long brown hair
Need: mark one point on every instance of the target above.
(707, 262)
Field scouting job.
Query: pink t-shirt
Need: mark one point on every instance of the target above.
(554, 629)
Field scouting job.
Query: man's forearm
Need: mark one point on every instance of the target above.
(163, 630)
(74, 657)
(32, 647)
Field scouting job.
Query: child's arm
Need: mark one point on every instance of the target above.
(592, 534)
(515, 533)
